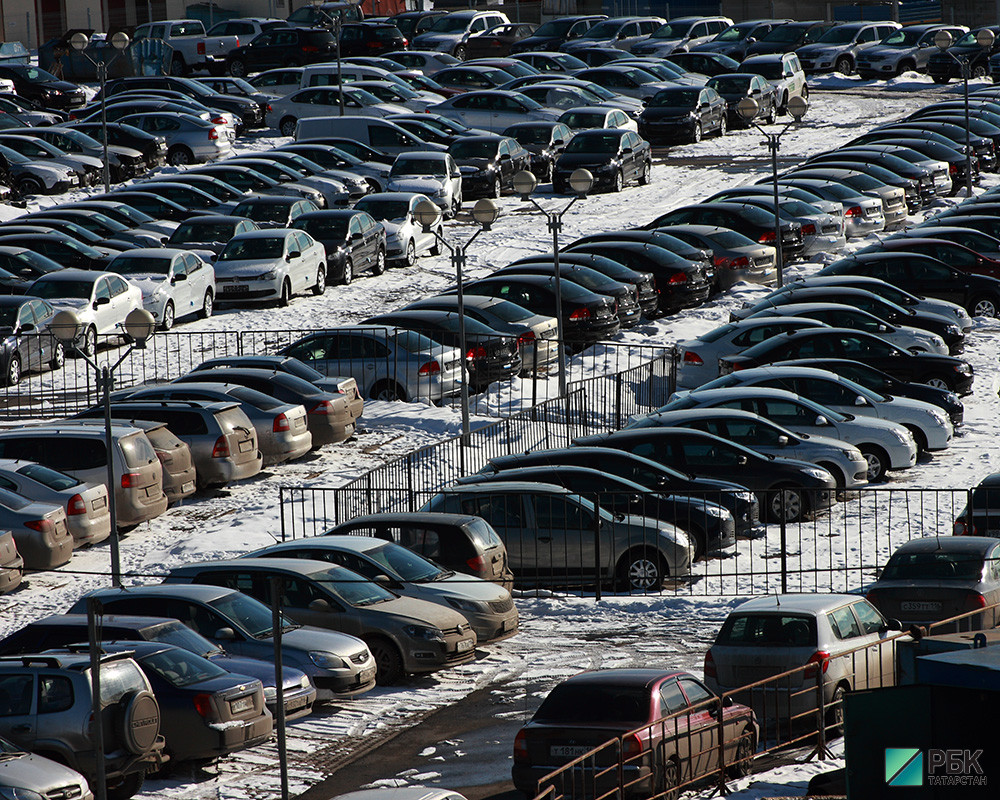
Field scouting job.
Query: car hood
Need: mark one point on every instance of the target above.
(149, 283)
(261, 670)
(455, 585)
(567, 160)
(426, 185)
(308, 637)
(244, 267)
(36, 774)
(58, 171)
(811, 50)
(435, 38)
(828, 441)
(412, 611)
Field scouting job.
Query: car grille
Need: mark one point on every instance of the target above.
(502, 606)
(64, 793)
(461, 630)
(359, 658)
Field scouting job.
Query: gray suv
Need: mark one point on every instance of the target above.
(908, 49)
(45, 707)
(839, 48)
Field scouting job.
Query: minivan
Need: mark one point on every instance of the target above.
(377, 133)
(79, 450)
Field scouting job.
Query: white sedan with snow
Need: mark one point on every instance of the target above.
(174, 283)
(270, 264)
(433, 174)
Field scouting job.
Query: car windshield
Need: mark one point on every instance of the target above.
(603, 30)
(13, 156)
(768, 630)
(672, 30)
(555, 27)
(182, 668)
(904, 37)
(450, 24)
(838, 35)
(405, 563)
(254, 249)
(203, 232)
(509, 312)
(729, 239)
(734, 33)
(48, 477)
(724, 85)
(675, 98)
(784, 34)
(595, 703)
(474, 148)
(350, 587)
(532, 134)
(384, 209)
(603, 143)
(435, 167)
(769, 70)
(140, 265)
(50, 290)
(969, 40)
(581, 120)
(324, 228)
(180, 635)
(934, 565)
(262, 212)
(252, 615)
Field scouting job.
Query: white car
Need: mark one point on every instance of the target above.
(433, 174)
(427, 61)
(493, 110)
(323, 101)
(584, 118)
(101, 300)
(405, 239)
(784, 72)
(174, 283)
(270, 264)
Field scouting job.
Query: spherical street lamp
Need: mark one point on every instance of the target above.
(581, 182)
(525, 183)
(485, 212)
(139, 326)
(747, 108)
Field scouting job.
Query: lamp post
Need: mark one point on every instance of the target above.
(335, 21)
(747, 108)
(581, 182)
(943, 40)
(139, 325)
(428, 214)
(79, 41)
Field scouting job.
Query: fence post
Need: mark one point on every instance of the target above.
(618, 401)
(784, 546)
(597, 548)
(281, 510)
(721, 737)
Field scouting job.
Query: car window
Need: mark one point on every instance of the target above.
(696, 693)
(869, 619)
(55, 693)
(103, 289)
(672, 699)
(16, 694)
(843, 623)
(558, 513)
(119, 678)
(500, 510)
(768, 629)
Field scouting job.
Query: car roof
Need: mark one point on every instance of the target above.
(352, 542)
(635, 677)
(979, 545)
(815, 603)
(426, 517)
(299, 566)
(746, 391)
(706, 413)
(134, 622)
(493, 487)
(200, 592)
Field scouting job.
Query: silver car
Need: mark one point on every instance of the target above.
(271, 264)
(903, 50)
(863, 214)
(189, 139)
(844, 461)
(838, 49)
(174, 283)
(699, 358)
(26, 775)
(493, 110)
(40, 531)
(435, 175)
(821, 232)
(736, 257)
(323, 101)
(885, 445)
(88, 514)
(893, 197)
(405, 239)
(488, 607)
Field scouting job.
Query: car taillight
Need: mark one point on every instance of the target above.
(269, 109)
(631, 745)
(709, 669)
(218, 120)
(405, 41)
(476, 563)
(430, 368)
(201, 48)
(281, 424)
(580, 314)
(817, 664)
(213, 134)
(952, 169)
(476, 352)
(962, 528)
(853, 211)
(691, 357)
(679, 277)
(736, 366)
(203, 705)
(130, 480)
(76, 505)
(808, 229)
(221, 449)
(724, 262)
(40, 525)
(974, 601)
(766, 237)
(521, 746)
(525, 338)
(322, 407)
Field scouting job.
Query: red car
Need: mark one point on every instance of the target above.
(658, 755)
(957, 255)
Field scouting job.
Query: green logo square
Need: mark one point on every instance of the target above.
(904, 766)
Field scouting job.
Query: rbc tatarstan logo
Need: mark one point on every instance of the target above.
(904, 766)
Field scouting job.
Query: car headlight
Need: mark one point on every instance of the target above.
(938, 416)
(904, 436)
(270, 275)
(952, 398)
(463, 605)
(326, 660)
(963, 369)
(16, 793)
(439, 193)
(424, 633)
(676, 535)
(817, 473)
(270, 694)
(712, 510)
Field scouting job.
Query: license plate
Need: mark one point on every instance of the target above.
(187, 487)
(246, 445)
(100, 502)
(568, 750)
(241, 704)
(298, 702)
(464, 646)
(234, 288)
(920, 605)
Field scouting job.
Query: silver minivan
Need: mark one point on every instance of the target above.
(79, 450)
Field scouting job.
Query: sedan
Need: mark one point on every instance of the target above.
(210, 233)
(405, 239)
(981, 514)
(471, 77)
(174, 283)
(954, 255)
(488, 164)
(934, 578)
(735, 257)
(106, 229)
(189, 139)
(683, 114)
(493, 110)
(270, 265)
(705, 63)
(614, 157)
(354, 242)
(26, 340)
(735, 86)
(587, 117)
(152, 147)
(544, 141)
(435, 175)
(631, 81)
(40, 531)
(22, 265)
(753, 222)
(498, 40)
(272, 211)
(591, 708)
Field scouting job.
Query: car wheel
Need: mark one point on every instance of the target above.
(127, 787)
(670, 777)
(619, 181)
(979, 71)
(348, 275)
(641, 570)
(497, 189)
(918, 435)
(286, 294)
(644, 175)
(13, 376)
(788, 503)
(696, 133)
(58, 356)
(179, 156)
(905, 66)
(379, 266)
(320, 285)
(168, 316)
(843, 65)
(387, 390)
(835, 713)
(983, 307)
(938, 382)
(549, 172)
(878, 462)
(435, 249)
(237, 68)
(89, 344)
(287, 126)
(772, 114)
(459, 52)
(207, 305)
(743, 759)
(388, 660)
(26, 186)
(456, 207)
(410, 258)
(177, 65)
(722, 126)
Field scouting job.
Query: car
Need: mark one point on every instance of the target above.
(107, 230)
(248, 27)
(784, 72)
(789, 36)
(933, 578)
(753, 222)
(493, 110)
(429, 130)
(152, 147)
(838, 49)
(390, 93)
(123, 162)
(665, 710)
(630, 80)
(905, 50)
(498, 40)
(30, 176)
(43, 87)
(405, 635)
(941, 66)
(981, 514)
(279, 82)
(734, 86)
(323, 13)
(546, 62)
(683, 114)
(488, 608)
(704, 63)
(735, 40)
(885, 445)
(304, 178)
(339, 665)
(322, 101)
(27, 343)
(584, 118)
(64, 242)
(388, 363)
(370, 38)
(189, 139)
(839, 642)
(352, 239)
(39, 528)
(87, 167)
(555, 32)
(614, 157)
(563, 94)
(734, 256)
(955, 255)
(333, 157)
(23, 772)
(435, 175)
(427, 61)
(845, 462)
(488, 164)
(88, 518)
(209, 233)
(271, 264)
(680, 34)
(450, 33)
(405, 239)
(28, 112)
(281, 47)
(174, 283)
(978, 241)
(166, 211)
(410, 23)
(891, 189)
(619, 33)
(542, 527)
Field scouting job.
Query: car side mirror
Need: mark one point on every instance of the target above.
(456, 174)
(295, 254)
(751, 39)
(356, 235)
(821, 420)
(742, 461)
(27, 327)
(621, 34)
(505, 156)
(893, 624)
(626, 151)
(319, 604)
(860, 401)
(213, 257)
(644, 101)
(383, 580)
(227, 634)
(782, 441)
(180, 277)
(101, 301)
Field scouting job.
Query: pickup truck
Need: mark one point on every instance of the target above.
(192, 48)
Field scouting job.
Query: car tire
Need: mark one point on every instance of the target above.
(58, 356)
(983, 306)
(980, 71)
(938, 381)
(320, 286)
(379, 266)
(410, 255)
(179, 156)
(89, 346)
(878, 461)
(644, 174)
(722, 126)
(838, 474)
(435, 249)
(389, 661)
(287, 126)
(905, 66)
(619, 182)
(207, 305)
(787, 501)
(285, 298)
(127, 787)
(456, 207)
(941, 79)
(12, 377)
(29, 185)
(387, 390)
(237, 68)
(844, 65)
(138, 722)
(835, 713)
(670, 778)
(177, 66)
(497, 190)
(919, 437)
(459, 52)
(641, 569)
(348, 275)
(743, 758)
(772, 115)
(168, 316)
(696, 133)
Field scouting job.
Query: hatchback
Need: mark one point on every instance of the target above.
(981, 514)
(435, 175)
(270, 264)
(174, 283)
(26, 340)
(353, 240)
(405, 239)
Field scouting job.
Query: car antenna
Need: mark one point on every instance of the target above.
(777, 600)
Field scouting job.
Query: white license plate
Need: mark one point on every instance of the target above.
(241, 704)
(246, 445)
(464, 646)
(298, 702)
(918, 605)
(187, 487)
(100, 502)
(568, 750)
(234, 288)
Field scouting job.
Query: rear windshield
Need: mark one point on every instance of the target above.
(137, 450)
(182, 668)
(593, 703)
(782, 630)
(482, 534)
(181, 635)
(48, 477)
(938, 565)
(12, 500)
(119, 678)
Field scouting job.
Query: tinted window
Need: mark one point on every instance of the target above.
(594, 703)
(55, 693)
(843, 623)
(768, 629)
(15, 695)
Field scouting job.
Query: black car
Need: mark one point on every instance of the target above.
(624, 295)
(789, 37)
(787, 488)
(982, 243)
(658, 238)
(410, 23)
(735, 40)
(754, 223)
(333, 158)
(43, 87)
(683, 114)
(544, 141)
(830, 171)
(209, 232)
(680, 283)
(704, 63)
(711, 527)
(613, 156)
(249, 112)
(588, 318)
(977, 294)
(883, 383)
(64, 250)
(945, 372)
(282, 47)
(942, 67)
(152, 147)
(553, 34)
(946, 152)
(861, 160)
(946, 133)
(21, 265)
(488, 164)
(26, 340)
(370, 39)
(354, 241)
(491, 356)
(243, 178)
(153, 206)
(735, 86)
(499, 40)
(191, 197)
(103, 228)
(968, 218)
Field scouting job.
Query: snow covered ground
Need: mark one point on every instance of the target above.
(560, 634)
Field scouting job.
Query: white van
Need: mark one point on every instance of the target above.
(377, 133)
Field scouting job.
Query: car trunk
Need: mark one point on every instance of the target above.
(928, 601)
